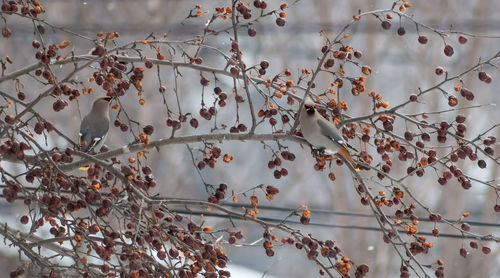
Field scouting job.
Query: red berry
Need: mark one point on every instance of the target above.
(463, 252)
(401, 31)
(234, 71)
(24, 219)
(448, 50)
(280, 22)
(496, 208)
(252, 32)
(264, 64)
(482, 75)
(422, 39)
(386, 25)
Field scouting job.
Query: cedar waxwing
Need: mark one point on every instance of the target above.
(321, 133)
(95, 126)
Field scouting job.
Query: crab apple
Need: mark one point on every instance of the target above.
(482, 75)
(401, 31)
(386, 25)
(462, 40)
(448, 50)
(422, 39)
(280, 22)
(252, 32)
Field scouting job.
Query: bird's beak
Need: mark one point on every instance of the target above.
(108, 99)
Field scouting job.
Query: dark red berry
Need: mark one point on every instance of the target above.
(280, 22)
(422, 39)
(462, 40)
(448, 50)
(401, 31)
(386, 25)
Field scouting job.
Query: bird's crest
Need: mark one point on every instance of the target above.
(309, 102)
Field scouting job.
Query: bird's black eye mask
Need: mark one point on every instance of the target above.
(310, 109)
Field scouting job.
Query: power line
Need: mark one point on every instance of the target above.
(345, 213)
(319, 211)
(336, 212)
(295, 222)
(190, 29)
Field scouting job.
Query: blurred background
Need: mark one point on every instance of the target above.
(400, 66)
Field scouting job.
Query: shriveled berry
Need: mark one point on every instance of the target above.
(452, 101)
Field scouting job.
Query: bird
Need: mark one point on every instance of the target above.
(322, 134)
(94, 127)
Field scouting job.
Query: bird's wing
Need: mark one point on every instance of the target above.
(330, 131)
(93, 136)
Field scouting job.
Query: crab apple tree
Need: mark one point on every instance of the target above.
(205, 163)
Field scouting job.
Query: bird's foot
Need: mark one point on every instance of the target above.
(316, 152)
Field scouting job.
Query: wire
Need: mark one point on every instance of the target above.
(350, 227)
(321, 211)
(355, 214)
(342, 213)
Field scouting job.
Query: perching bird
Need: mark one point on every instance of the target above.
(321, 133)
(95, 126)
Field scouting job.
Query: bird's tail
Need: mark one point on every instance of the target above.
(345, 154)
(84, 168)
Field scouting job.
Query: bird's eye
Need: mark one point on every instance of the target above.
(310, 109)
